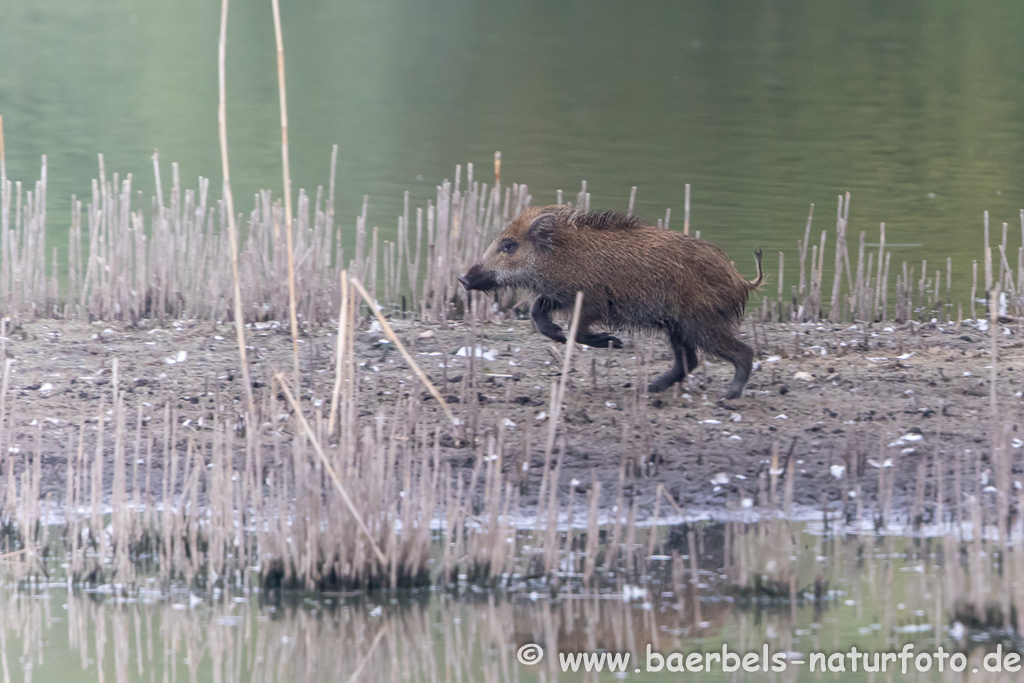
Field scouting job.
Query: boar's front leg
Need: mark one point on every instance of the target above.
(541, 314)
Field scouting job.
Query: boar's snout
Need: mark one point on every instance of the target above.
(478, 278)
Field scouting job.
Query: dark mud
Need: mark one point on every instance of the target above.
(842, 402)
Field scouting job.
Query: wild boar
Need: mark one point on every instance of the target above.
(633, 277)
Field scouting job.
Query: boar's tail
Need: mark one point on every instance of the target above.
(756, 282)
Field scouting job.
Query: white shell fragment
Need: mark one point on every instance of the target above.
(905, 439)
(179, 358)
(490, 354)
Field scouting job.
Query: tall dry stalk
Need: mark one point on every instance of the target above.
(287, 190)
(229, 202)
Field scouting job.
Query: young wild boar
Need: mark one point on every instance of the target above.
(632, 276)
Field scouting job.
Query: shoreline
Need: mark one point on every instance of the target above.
(817, 400)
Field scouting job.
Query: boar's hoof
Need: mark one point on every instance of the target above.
(613, 342)
(664, 382)
(734, 392)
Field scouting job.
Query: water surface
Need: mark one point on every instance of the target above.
(875, 594)
(916, 108)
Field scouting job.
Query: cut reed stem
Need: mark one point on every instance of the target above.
(340, 355)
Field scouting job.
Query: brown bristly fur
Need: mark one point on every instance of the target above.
(633, 276)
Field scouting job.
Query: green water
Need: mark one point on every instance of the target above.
(917, 108)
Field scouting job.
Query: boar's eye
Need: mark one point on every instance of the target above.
(507, 246)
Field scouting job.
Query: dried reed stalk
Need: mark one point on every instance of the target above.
(340, 355)
(229, 201)
(559, 394)
(837, 275)
(686, 211)
(802, 248)
(286, 169)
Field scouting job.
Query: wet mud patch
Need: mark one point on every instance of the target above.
(845, 408)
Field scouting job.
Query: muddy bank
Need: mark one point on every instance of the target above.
(842, 402)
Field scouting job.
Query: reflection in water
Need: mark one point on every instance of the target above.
(877, 594)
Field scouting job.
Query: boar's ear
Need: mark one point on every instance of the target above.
(542, 231)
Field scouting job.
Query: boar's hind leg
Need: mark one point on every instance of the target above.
(691, 358)
(686, 357)
(601, 340)
(740, 355)
(541, 314)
